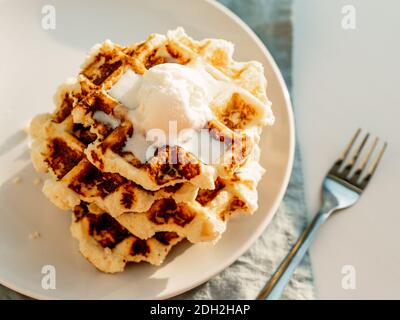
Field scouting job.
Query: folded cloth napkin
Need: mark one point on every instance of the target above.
(271, 20)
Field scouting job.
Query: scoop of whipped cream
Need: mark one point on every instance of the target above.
(169, 104)
(167, 95)
(173, 92)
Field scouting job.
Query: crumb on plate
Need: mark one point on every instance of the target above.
(34, 235)
(37, 181)
(16, 180)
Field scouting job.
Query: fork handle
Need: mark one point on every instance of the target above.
(274, 287)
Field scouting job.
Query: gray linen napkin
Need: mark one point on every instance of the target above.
(271, 20)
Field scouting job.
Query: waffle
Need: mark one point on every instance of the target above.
(239, 113)
(109, 191)
(109, 246)
(75, 179)
(82, 145)
(205, 218)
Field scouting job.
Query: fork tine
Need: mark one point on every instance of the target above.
(355, 157)
(357, 174)
(345, 152)
(373, 167)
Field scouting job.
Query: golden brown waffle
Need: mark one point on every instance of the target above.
(92, 172)
(205, 218)
(59, 149)
(244, 109)
(109, 191)
(109, 246)
(145, 213)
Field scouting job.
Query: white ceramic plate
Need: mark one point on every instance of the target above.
(33, 61)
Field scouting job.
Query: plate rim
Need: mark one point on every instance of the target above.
(277, 201)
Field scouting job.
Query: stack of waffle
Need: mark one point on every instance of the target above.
(125, 209)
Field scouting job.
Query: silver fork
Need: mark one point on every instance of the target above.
(342, 187)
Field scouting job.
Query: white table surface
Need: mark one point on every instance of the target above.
(345, 79)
